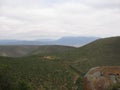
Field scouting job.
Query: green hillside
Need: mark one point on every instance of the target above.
(57, 68)
(25, 50)
(101, 52)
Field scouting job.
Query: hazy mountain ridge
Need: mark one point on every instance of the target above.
(75, 41)
(68, 41)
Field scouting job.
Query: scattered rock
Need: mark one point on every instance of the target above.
(100, 78)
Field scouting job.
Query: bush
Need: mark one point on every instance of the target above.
(114, 87)
(8, 80)
(23, 85)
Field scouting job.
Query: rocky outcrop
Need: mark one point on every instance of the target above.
(100, 78)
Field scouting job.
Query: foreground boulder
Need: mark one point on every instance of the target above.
(101, 78)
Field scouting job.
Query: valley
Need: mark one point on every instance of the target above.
(54, 67)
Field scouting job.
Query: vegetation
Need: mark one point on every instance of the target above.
(56, 67)
(115, 86)
(9, 81)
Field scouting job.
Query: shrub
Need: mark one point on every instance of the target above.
(114, 87)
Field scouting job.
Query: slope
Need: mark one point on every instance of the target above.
(27, 50)
(64, 71)
(101, 52)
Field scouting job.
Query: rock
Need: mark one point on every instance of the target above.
(100, 78)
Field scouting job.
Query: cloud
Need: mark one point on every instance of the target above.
(35, 19)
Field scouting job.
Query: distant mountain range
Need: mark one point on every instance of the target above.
(67, 41)
(50, 67)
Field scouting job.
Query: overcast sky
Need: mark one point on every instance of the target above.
(41, 19)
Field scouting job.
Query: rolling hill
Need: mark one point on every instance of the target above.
(57, 67)
(102, 51)
(25, 50)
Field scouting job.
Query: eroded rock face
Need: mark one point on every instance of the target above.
(100, 78)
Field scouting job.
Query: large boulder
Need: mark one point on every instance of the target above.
(101, 78)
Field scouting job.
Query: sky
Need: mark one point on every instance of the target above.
(48, 19)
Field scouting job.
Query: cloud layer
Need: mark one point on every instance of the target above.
(37, 19)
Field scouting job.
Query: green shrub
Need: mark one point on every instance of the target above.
(8, 80)
(114, 86)
(23, 85)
